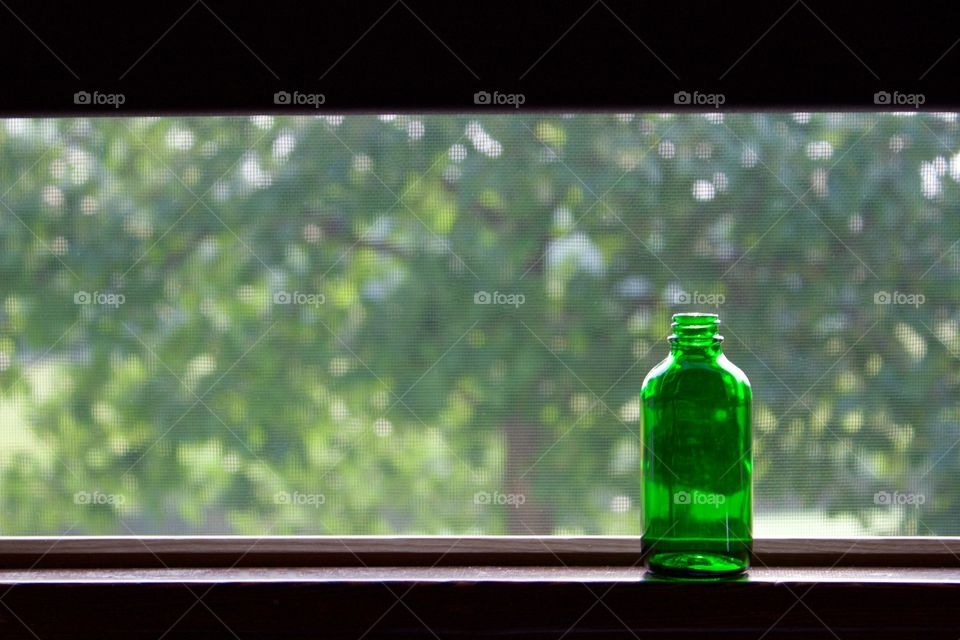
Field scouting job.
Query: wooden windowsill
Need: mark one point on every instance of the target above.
(798, 576)
(365, 551)
(531, 588)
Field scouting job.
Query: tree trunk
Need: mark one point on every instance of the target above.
(525, 516)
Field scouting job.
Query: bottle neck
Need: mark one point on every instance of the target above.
(696, 335)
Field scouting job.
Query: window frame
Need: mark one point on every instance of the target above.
(68, 573)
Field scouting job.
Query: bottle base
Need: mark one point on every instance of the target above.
(687, 564)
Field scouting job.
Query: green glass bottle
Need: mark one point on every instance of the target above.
(697, 457)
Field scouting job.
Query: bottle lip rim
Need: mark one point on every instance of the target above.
(696, 318)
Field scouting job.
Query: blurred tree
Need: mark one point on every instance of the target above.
(439, 324)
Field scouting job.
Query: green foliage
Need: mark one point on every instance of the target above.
(381, 399)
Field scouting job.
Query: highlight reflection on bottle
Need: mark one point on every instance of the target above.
(696, 456)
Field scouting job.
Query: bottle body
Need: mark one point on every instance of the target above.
(696, 457)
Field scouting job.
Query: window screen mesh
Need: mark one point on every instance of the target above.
(440, 324)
